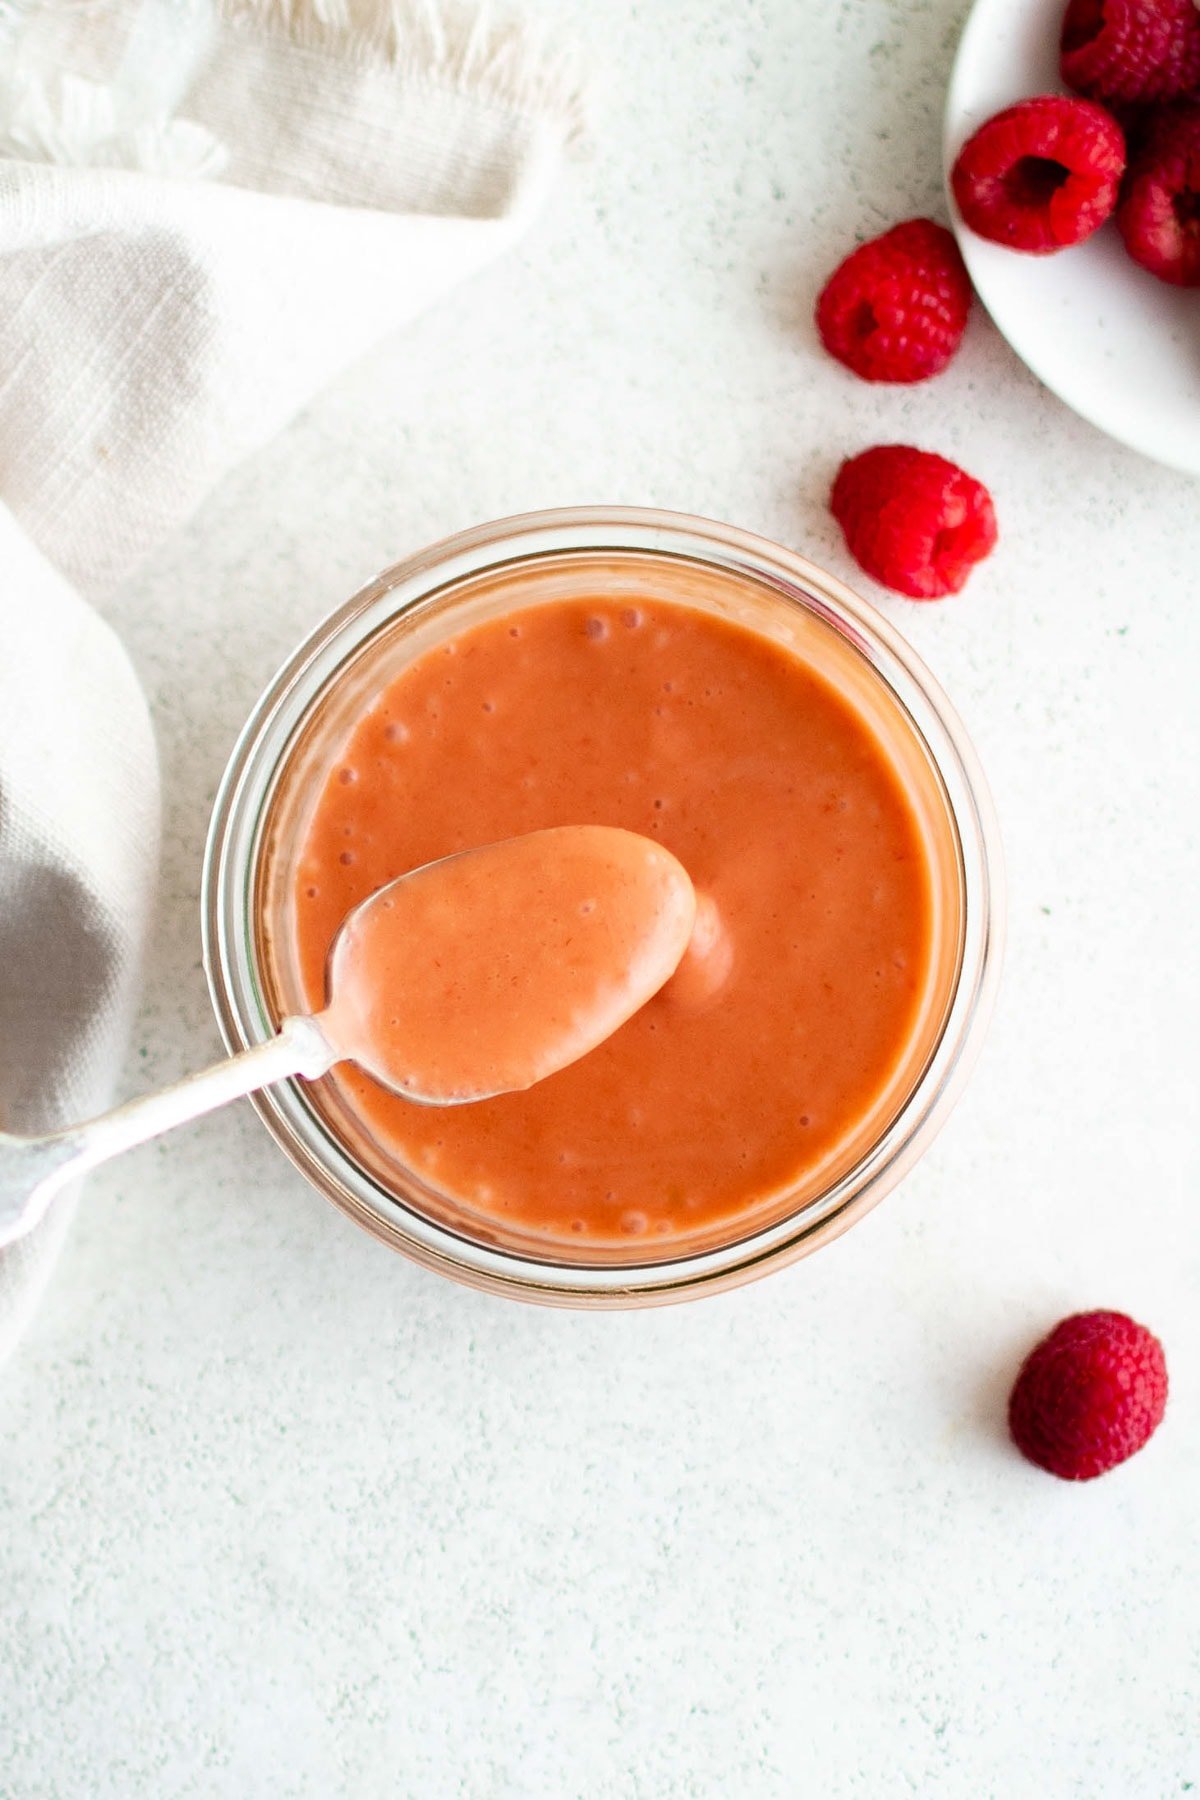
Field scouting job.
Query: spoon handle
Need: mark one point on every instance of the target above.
(32, 1170)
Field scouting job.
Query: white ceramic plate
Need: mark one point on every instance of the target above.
(1120, 347)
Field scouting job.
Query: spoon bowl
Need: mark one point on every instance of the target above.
(487, 971)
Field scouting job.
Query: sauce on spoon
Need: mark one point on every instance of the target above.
(483, 973)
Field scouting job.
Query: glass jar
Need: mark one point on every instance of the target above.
(311, 706)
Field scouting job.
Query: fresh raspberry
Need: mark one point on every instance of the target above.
(913, 520)
(1131, 49)
(1040, 175)
(1159, 214)
(896, 308)
(1088, 1395)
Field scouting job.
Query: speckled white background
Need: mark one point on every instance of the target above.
(285, 1516)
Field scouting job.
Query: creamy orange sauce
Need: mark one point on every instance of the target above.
(790, 1015)
(490, 970)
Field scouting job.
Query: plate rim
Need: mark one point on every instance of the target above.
(953, 135)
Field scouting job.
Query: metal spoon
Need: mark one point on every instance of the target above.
(586, 886)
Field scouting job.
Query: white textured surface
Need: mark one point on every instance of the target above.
(285, 1516)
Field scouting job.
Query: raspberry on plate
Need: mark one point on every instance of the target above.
(1042, 174)
(1159, 214)
(895, 309)
(914, 521)
(1131, 49)
(1089, 1395)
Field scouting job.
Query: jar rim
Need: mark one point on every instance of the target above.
(235, 842)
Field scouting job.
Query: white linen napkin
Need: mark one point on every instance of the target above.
(207, 208)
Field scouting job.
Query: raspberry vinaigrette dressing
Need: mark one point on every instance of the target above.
(823, 954)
